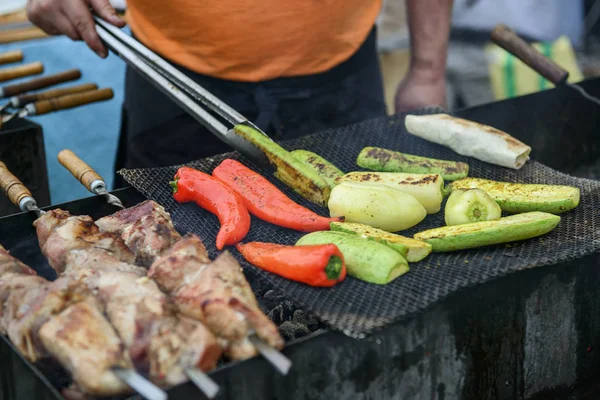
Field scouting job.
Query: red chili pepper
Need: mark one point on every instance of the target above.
(216, 197)
(316, 265)
(268, 203)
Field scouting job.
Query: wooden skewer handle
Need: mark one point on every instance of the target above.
(506, 38)
(12, 186)
(78, 168)
(72, 100)
(11, 57)
(49, 94)
(39, 83)
(7, 74)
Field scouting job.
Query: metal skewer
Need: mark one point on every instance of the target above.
(59, 103)
(273, 356)
(87, 176)
(24, 99)
(203, 382)
(140, 384)
(34, 68)
(20, 196)
(18, 193)
(35, 84)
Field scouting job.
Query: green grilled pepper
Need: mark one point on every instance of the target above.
(521, 197)
(384, 160)
(477, 234)
(365, 259)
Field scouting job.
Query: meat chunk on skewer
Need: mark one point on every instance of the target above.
(216, 293)
(26, 310)
(17, 284)
(144, 317)
(182, 261)
(99, 260)
(87, 346)
(10, 264)
(146, 228)
(58, 233)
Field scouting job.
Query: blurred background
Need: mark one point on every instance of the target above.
(568, 31)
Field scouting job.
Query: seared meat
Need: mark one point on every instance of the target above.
(216, 293)
(12, 283)
(99, 260)
(145, 320)
(26, 310)
(10, 264)
(87, 346)
(146, 228)
(183, 260)
(59, 233)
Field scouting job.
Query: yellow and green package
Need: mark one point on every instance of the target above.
(510, 77)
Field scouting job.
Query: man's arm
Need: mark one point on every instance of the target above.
(429, 27)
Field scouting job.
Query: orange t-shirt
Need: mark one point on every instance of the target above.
(254, 40)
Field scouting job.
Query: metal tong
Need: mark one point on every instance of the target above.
(87, 176)
(182, 90)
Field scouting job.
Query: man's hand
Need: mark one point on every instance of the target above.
(417, 91)
(73, 18)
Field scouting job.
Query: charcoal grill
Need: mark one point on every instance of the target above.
(532, 334)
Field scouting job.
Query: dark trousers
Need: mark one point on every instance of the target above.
(157, 132)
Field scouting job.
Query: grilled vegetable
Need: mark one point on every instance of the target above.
(266, 202)
(217, 198)
(289, 170)
(324, 168)
(520, 197)
(427, 189)
(384, 160)
(317, 265)
(379, 206)
(472, 205)
(504, 230)
(411, 249)
(365, 259)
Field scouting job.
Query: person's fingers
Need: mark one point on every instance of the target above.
(64, 26)
(43, 14)
(81, 18)
(106, 11)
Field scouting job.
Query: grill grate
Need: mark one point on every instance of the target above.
(358, 308)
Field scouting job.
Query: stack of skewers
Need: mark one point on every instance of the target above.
(135, 307)
(24, 103)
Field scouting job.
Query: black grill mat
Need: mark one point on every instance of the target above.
(358, 308)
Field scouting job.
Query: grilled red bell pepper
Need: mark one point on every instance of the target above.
(316, 265)
(216, 197)
(266, 202)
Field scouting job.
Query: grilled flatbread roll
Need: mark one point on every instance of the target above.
(469, 138)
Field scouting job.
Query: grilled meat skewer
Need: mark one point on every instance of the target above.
(176, 343)
(227, 306)
(138, 309)
(142, 317)
(61, 319)
(157, 236)
(215, 293)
